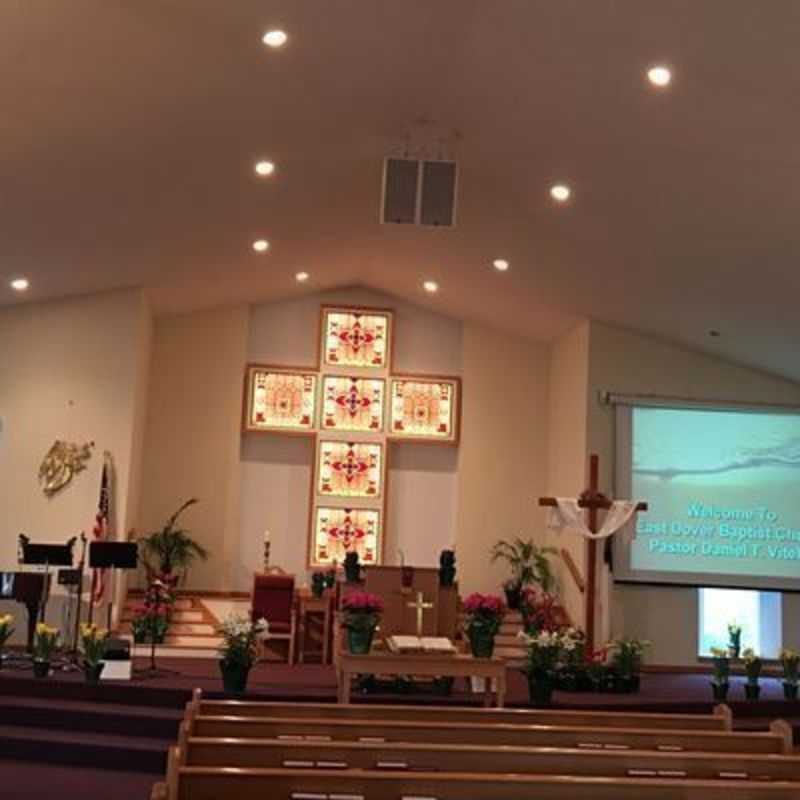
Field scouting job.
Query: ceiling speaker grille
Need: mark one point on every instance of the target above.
(419, 192)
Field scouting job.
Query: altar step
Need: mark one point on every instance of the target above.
(192, 632)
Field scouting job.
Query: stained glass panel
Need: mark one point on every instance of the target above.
(338, 531)
(349, 469)
(280, 400)
(424, 409)
(355, 338)
(352, 404)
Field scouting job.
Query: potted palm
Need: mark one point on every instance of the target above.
(238, 652)
(790, 661)
(361, 614)
(6, 632)
(529, 565)
(752, 667)
(171, 549)
(720, 680)
(93, 648)
(484, 616)
(45, 641)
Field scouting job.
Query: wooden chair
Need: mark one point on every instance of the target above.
(273, 599)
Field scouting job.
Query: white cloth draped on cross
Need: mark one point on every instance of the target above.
(568, 515)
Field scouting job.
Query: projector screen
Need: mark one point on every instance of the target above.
(723, 489)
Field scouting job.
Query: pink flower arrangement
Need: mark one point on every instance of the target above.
(362, 603)
(487, 605)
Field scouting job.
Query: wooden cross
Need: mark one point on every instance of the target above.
(421, 607)
(593, 500)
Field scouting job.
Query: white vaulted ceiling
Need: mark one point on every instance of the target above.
(129, 132)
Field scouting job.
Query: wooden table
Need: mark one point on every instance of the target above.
(457, 666)
(308, 605)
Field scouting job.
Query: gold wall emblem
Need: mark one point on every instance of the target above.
(63, 461)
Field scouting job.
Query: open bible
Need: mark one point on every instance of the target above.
(438, 645)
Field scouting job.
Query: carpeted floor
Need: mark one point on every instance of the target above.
(20, 780)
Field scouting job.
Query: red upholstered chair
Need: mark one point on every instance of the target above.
(273, 599)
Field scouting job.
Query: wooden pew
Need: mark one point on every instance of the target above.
(719, 720)
(416, 757)
(777, 740)
(213, 783)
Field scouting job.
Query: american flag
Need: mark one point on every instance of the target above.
(100, 532)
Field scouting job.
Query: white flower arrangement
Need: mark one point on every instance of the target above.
(240, 637)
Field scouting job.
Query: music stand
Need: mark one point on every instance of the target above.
(47, 555)
(113, 556)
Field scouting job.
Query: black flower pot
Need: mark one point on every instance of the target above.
(234, 676)
(513, 597)
(752, 691)
(41, 669)
(92, 672)
(790, 691)
(720, 691)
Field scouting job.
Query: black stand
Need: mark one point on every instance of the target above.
(154, 671)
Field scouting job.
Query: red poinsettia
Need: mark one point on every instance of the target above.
(362, 602)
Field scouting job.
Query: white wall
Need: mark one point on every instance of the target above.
(276, 471)
(567, 438)
(628, 363)
(71, 370)
(192, 434)
(502, 461)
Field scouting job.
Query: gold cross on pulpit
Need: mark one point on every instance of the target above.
(421, 607)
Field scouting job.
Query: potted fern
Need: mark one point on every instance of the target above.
(790, 662)
(529, 565)
(171, 549)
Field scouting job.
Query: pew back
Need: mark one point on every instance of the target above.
(416, 757)
(494, 734)
(719, 720)
(212, 783)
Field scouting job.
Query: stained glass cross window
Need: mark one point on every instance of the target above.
(353, 406)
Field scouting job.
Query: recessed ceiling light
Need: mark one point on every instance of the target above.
(20, 284)
(302, 277)
(261, 245)
(500, 264)
(265, 168)
(430, 286)
(659, 75)
(560, 192)
(275, 38)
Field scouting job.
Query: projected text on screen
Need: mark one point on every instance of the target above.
(722, 489)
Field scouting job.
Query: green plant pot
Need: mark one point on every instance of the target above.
(752, 691)
(720, 691)
(481, 644)
(92, 672)
(790, 691)
(41, 669)
(234, 677)
(540, 689)
(359, 640)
